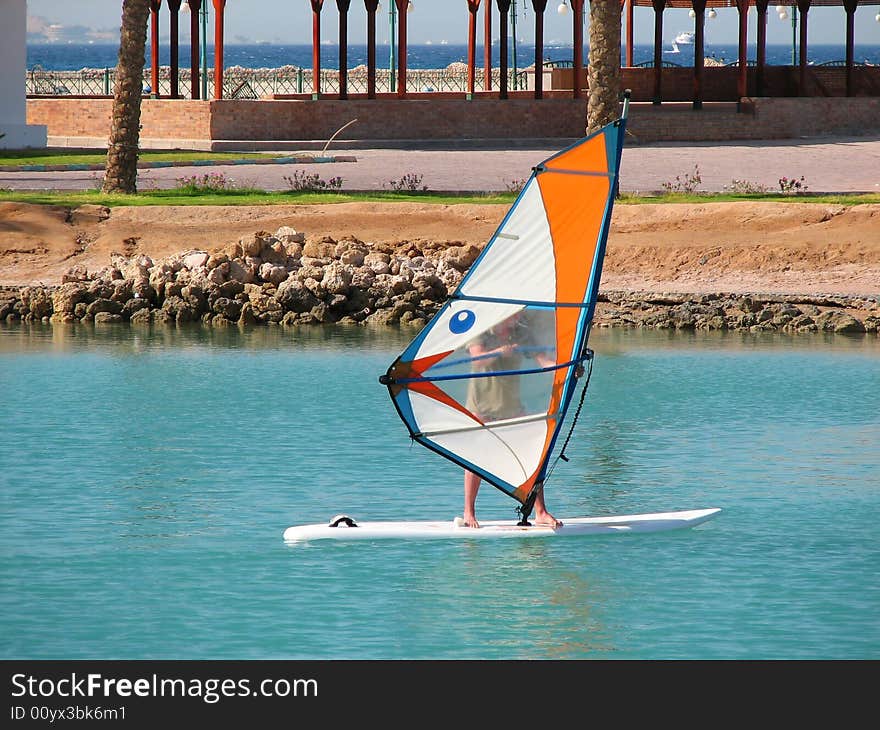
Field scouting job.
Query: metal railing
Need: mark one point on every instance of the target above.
(241, 83)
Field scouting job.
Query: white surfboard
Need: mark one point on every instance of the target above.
(343, 527)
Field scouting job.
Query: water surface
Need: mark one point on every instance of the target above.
(147, 476)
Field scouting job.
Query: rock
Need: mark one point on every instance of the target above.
(240, 272)
(275, 253)
(228, 308)
(288, 235)
(746, 304)
(319, 248)
(195, 259)
(272, 273)
(177, 309)
(75, 273)
(252, 244)
(295, 296)
(107, 318)
(35, 301)
(103, 305)
(132, 306)
(322, 313)
(337, 279)
(461, 257)
(247, 315)
(378, 262)
(847, 324)
(141, 316)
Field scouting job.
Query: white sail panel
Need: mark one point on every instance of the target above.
(512, 453)
(519, 262)
(432, 415)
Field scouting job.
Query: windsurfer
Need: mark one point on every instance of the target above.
(498, 397)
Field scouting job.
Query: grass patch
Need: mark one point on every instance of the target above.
(250, 196)
(244, 196)
(701, 198)
(51, 156)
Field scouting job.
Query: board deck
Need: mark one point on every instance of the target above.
(656, 522)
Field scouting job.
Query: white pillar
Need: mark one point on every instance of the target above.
(13, 67)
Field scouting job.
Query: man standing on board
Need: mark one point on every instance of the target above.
(498, 397)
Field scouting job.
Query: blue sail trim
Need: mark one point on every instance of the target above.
(471, 376)
(586, 173)
(525, 302)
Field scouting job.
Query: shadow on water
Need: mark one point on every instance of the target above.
(18, 338)
(122, 338)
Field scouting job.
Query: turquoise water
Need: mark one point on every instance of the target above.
(147, 477)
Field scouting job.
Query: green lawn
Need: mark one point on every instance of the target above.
(260, 197)
(235, 197)
(60, 156)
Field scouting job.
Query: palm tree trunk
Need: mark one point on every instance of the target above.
(604, 71)
(120, 175)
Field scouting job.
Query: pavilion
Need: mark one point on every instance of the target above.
(758, 82)
(741, 100)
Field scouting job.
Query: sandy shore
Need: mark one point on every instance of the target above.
(742, 247)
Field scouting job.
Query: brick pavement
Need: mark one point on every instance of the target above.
(827, 165)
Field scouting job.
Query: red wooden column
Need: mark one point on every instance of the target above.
(195, 76)
(539, 7)
(804, 7)
(402, 7)
(699, 7)
(371, 6)
(761, 6)
(174, 47)
(343, 6)
(659, 7)
(577, 12)
(629, 32)
(219, 10)
(504, 9)
(487, 46)
(850, 7)
(316, 47)
(742, 76)
(155, 6)
(473, 7)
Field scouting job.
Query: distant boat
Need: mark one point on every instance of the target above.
(684, 38)
(674, 49)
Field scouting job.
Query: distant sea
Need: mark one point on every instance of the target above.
(73, 56)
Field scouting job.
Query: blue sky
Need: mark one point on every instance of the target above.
(289, 21)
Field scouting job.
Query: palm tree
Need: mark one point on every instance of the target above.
(120, 175)
(604, 67)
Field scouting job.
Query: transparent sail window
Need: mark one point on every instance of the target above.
(506, 371)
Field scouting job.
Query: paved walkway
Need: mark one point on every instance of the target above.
(827, 164)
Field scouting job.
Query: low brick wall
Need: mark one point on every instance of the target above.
(395, 119)
(759, 118)
(89, 117)
(216, 124)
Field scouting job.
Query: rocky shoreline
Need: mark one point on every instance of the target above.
(284, 278)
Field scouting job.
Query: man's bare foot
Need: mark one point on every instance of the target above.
(470, 521)
(546, 519)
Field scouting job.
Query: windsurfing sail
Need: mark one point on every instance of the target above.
(488, 380)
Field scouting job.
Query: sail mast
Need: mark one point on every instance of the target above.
(585, 353)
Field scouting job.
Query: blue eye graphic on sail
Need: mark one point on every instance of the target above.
(462, 322)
